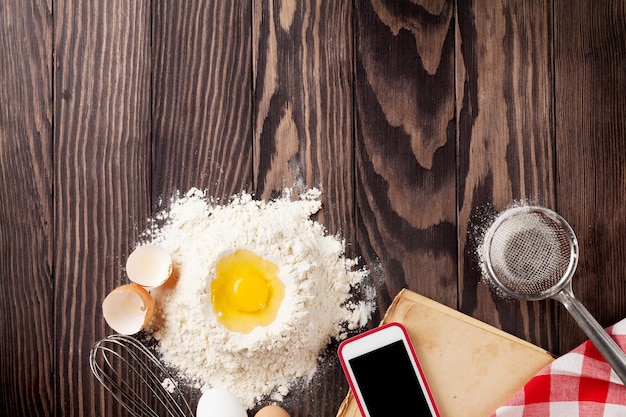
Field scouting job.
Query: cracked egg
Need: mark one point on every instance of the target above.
(246, 291)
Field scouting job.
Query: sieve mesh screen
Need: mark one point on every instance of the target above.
(529, 252)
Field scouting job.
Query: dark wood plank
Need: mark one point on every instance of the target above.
(26, 223)
(406, 146)
(101, 179)
(505, 143)
(201, 97)
(590, 79)
(303, 135)
(417, 119)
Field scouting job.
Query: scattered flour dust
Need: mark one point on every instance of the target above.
(318, 304)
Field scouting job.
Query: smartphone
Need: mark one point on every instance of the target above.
(384, 374)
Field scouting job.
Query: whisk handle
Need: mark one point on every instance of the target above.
(607, 347)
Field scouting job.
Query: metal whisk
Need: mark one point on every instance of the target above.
(133, 374)
(531, 253)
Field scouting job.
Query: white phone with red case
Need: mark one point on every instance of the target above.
(385, 375)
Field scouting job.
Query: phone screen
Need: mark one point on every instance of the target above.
(388, 382)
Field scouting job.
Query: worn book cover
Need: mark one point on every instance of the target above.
(472, 368)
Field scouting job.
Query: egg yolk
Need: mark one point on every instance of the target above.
(246, 291)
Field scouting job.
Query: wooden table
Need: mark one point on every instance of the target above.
(416, 119)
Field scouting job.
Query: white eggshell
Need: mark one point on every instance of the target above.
(128, 308)
(149, 266)
(218, 402)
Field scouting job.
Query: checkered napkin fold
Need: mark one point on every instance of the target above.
(577, 384)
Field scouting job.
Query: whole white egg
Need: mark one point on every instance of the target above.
(218, 402)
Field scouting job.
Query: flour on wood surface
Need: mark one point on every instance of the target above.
(318, 304)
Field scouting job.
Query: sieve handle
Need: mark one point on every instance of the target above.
(611, 351)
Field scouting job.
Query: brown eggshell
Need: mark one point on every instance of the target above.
(271, 411)
(128, 308)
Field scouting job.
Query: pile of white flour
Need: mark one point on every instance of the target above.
(317, 306)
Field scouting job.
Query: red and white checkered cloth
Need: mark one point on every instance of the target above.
(578, 384)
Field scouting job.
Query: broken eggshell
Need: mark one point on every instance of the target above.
(149, 266)
(128, 309)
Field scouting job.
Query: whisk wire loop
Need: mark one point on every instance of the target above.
(110, 378)
(129, 371)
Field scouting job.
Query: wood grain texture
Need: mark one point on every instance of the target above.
(303, 131)
(418, 120)
(26, 213)
(505, 125)
(590, 80)
(303, 135)
(101, 179)
(406, 146)
(201, 97)
(201, 101)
